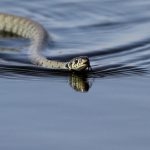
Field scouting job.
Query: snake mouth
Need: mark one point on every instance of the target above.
(85, 65)
(86, 61)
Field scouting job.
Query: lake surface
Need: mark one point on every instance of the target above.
(45, 109)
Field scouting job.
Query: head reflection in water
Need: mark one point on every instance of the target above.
(79, 82)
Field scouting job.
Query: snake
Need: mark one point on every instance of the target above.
(34, 31)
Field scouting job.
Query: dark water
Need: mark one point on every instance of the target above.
(43, 109)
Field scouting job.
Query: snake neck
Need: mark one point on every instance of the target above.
(32, 30)
(42, 61)
(37, 58)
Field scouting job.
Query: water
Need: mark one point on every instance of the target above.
(43, 109)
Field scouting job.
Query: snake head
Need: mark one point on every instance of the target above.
(78, 63)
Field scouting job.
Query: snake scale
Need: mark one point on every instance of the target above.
(34, 31)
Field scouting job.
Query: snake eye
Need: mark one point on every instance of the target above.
(76, 61)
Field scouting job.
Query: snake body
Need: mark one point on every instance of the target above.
(34, 31)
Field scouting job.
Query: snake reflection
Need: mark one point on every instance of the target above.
(80, 82)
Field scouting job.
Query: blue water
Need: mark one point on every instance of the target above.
(41, 109)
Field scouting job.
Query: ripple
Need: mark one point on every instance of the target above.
(116, 39)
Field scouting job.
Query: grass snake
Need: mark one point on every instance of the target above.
(34, 31)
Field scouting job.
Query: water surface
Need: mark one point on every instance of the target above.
(43, 109)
